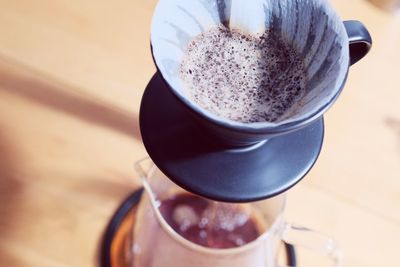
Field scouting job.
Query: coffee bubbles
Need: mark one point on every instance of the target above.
(243, 77)
(212, 224)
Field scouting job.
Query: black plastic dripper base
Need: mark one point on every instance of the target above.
(194, 160)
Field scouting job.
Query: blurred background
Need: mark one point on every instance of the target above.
(71, 78)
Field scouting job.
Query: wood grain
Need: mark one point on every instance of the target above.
(71, 78)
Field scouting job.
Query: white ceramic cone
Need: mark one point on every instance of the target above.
(247, 16)
(312, 26)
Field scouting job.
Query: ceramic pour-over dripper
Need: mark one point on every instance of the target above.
(233, 163)
(312, 27)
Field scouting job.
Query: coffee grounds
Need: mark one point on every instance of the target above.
(241, 77)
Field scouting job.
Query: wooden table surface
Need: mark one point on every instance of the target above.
(71, 78)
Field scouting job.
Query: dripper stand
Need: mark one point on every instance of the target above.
(203, 162)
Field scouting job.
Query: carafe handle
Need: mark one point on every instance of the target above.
(314, 241)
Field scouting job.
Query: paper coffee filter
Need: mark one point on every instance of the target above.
(312, 26)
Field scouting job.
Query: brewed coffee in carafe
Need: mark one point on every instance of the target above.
(212, 224)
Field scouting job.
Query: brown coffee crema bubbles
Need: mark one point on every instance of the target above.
(242, 77)
(212, 224)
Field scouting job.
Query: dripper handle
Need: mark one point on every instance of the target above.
(360, 40)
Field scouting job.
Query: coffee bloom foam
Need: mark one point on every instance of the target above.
(241, 77)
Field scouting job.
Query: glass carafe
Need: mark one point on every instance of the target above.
(222, 237)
